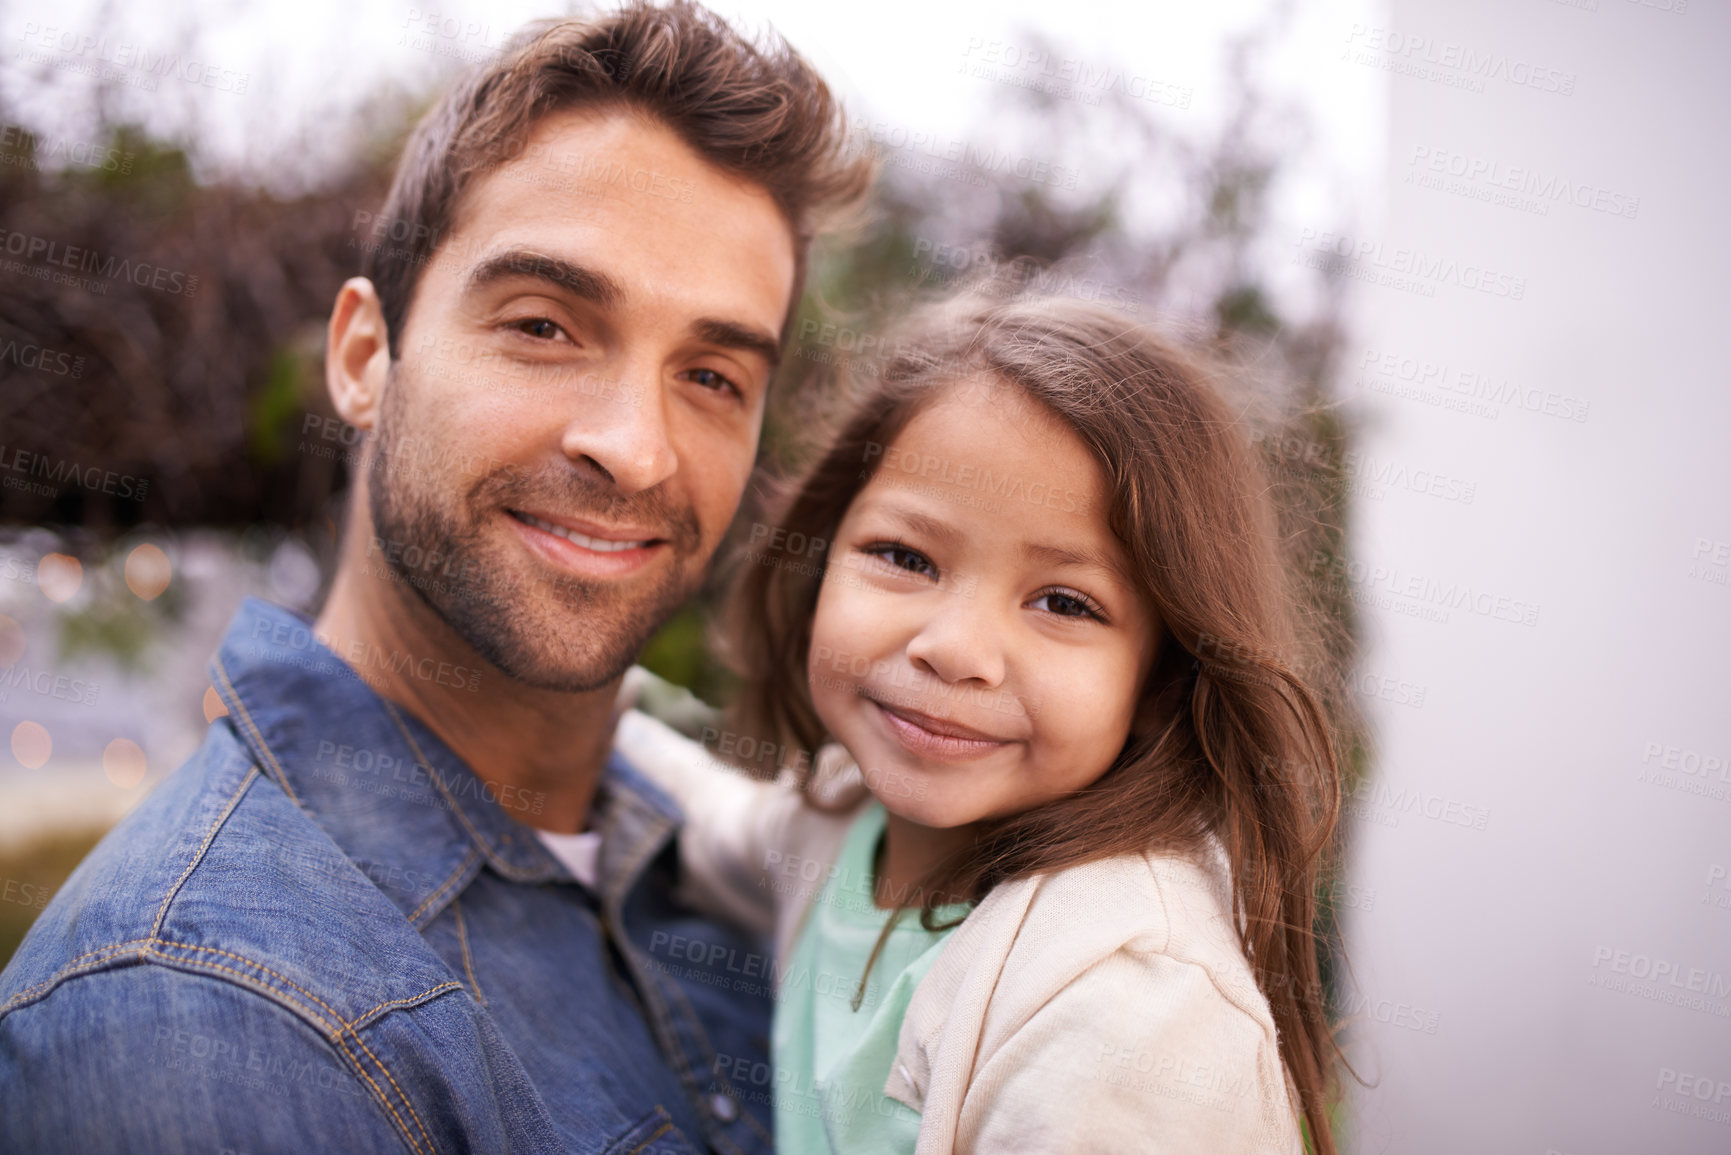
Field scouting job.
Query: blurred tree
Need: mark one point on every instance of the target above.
(167, 331)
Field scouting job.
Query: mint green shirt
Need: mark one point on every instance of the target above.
(831, 1062)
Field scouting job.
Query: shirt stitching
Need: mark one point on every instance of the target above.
(462, 869)
(657, 1006)
(72, 969)
(324, 1023)
(463, 941)
(336, 1037)
(198, 855)
(146, 950)
(246, 719)
(360, 1019)
(281, 775)
(341, 1024)
(659, 1132)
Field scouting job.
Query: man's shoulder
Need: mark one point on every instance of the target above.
(155, 1058)
(219, 873)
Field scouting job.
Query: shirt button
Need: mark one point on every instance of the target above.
(723, 1107)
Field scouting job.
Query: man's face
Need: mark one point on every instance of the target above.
(580, 388)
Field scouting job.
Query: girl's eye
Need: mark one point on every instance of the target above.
(903, 558)
(710, 379)
(1068, 604)
(540, 328)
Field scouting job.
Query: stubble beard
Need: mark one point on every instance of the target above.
(547, 630)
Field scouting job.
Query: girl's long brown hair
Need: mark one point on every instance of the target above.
(1238, 745)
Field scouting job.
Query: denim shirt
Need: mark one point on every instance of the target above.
(325, 933)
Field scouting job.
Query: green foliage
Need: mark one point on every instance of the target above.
(110, 627)
(275, 406)
(680, 654)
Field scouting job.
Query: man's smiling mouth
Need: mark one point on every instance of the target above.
(576, 537)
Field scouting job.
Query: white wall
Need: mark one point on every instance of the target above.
(1486, 954)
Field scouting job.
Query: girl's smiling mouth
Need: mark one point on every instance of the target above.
(935, 738)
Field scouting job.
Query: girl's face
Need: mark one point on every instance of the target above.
(979, 646)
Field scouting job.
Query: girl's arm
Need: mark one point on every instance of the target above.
(733, 824)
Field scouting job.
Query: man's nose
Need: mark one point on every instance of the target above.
(619, 425)
(962, 641)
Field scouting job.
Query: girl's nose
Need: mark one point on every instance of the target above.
(961, 642)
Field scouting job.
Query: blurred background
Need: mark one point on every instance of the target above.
(1465, 260)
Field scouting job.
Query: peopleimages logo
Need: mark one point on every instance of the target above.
(1393, 373)
(1449, 61)
(1657, 970)
(1388, 587)
(1493, 176)
(57, 473)
(21, 148)
(54, 254)
(1401, 268)
(87, 52)
(47, 684)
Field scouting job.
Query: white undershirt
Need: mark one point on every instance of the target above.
(577, 851)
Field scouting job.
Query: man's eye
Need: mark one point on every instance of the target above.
(540, 328)
(904, 558)
(710, 379)
(1067, 605)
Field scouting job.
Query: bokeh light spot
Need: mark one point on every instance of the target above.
(31, 744)
(123, 762)
(58, 576)
(148, 571)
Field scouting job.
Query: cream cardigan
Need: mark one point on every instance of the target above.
(1106, 1008)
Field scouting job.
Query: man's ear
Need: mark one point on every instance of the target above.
(357, 354)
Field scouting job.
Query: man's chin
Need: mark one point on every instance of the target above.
(567, 680)
(576, 644)
(565, 652)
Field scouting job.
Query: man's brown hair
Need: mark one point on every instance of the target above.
(755, 111)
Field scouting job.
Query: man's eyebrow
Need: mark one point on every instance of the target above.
(732, 335)
(586, 284)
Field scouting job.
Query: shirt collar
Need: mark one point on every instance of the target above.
(392, 796)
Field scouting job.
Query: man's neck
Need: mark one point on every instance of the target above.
(547, 745)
